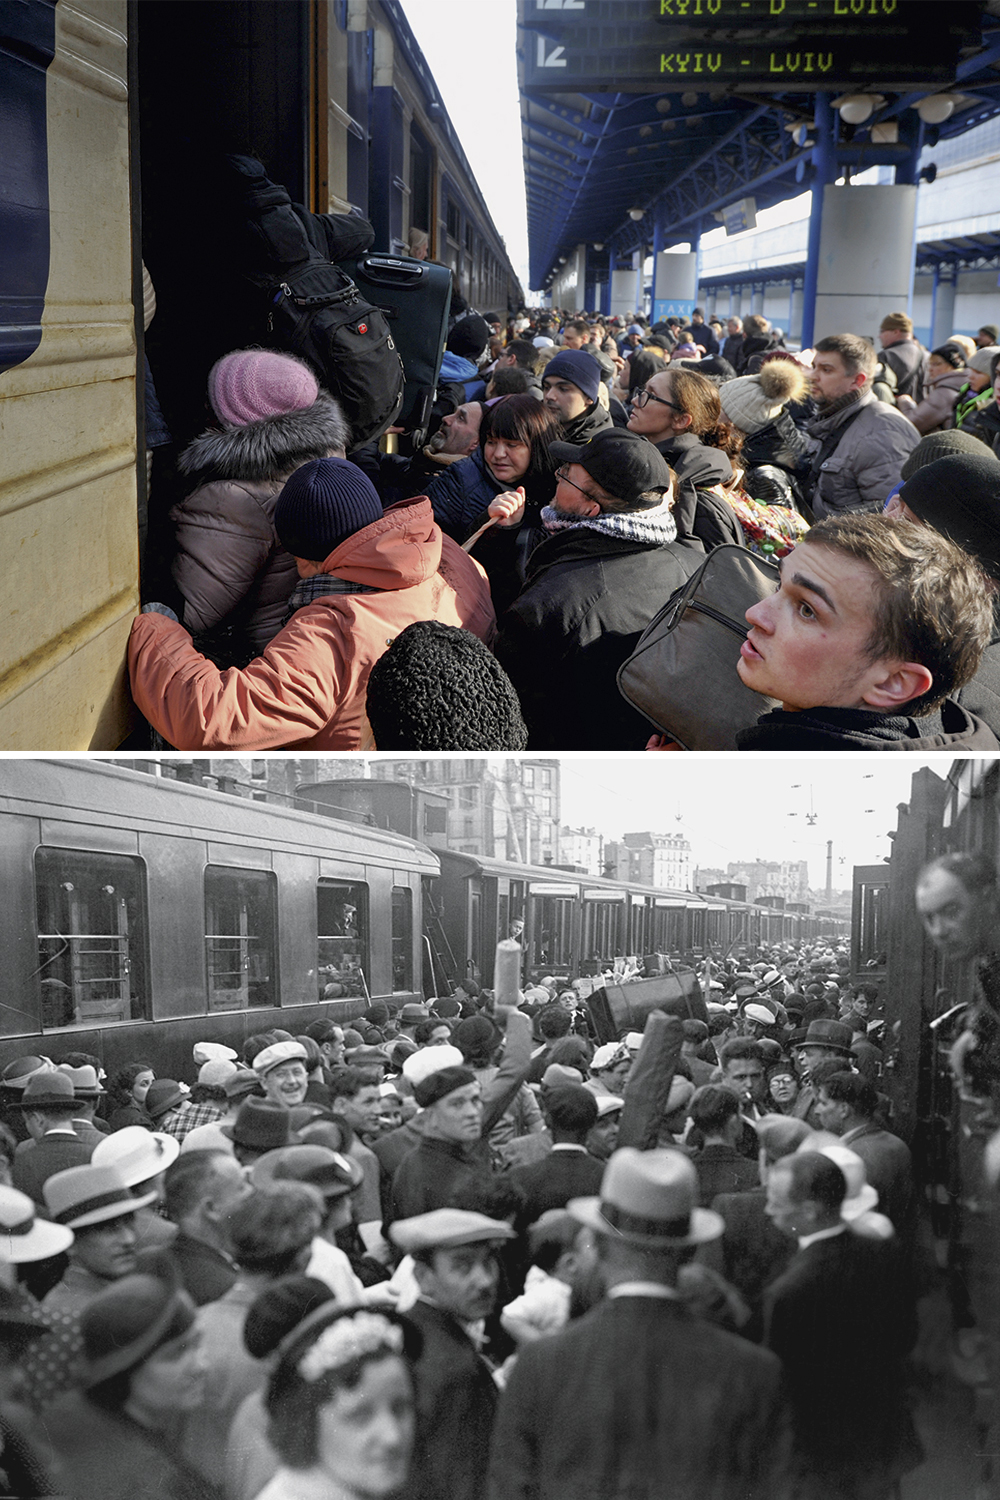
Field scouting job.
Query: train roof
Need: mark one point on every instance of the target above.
(549, 880)
(80, 791)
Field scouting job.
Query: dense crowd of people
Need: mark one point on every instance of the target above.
(579, 472)
(456, 1250)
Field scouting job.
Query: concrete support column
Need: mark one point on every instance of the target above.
(606, 299)
(735, 301)
(795, 312)
(696, 250)
(943, 305)
(657, 250)
(825, 170)
(638, 257)
(866, 257)
(757, 300)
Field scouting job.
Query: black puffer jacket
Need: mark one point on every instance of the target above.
(585, 603)
(702, 520)
(229, 566)
(860, 729)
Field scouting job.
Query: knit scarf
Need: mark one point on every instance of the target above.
(308, 590)
(827, 409)
(654, 528)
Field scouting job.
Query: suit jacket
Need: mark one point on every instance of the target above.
(723, 1169)
(204, 1272)
(750, 1253)
(36, 1162)
(558, 1177)
(889, 1169)
(841, 1318)
(640, 1400)
(456, 1407)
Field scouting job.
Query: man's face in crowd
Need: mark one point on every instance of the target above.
(831, 378)
(463, 1281)
(390, 1114)
(830, 1113)
(572, 339)
(459, 1115)
(603, 1136)
(439, 1037)
(333, 1049)
(889, 336)
(362, 1110)
(107, 1250)
(806, 645)
(461, 428)
(562, 398)
(807, 1056)
(958, 922)
(577, 495)
(734, 326)
(745, 1076)
(287, 1083)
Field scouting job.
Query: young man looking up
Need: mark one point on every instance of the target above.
(873, 626)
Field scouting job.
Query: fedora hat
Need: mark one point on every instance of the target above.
(81, 1196)
(49, 1089)
(334, 1174)
(126, 1322)
(23, 1237)
(832, 1034)
(86, 1084)
(649, 1199)
(16, 1074)
(260, 1125)
(137, 1154)
(164, 1094)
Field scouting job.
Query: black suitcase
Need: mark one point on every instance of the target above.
(415, 297)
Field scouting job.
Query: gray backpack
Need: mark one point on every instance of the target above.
(682, 674)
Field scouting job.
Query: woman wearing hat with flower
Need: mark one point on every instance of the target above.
(342, 1407)
(143, 1368)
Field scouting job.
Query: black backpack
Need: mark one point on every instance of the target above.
(309, 306)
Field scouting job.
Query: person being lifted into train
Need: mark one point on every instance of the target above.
(875, 624)
(364, 575)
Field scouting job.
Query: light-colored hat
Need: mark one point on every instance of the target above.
(445, 1229)
(204, 1052)
(633, 1040)
(90, 1195)
(759, 1013)
(16, 1074)
(605, 1056)
(982, 360)
(23, 1238)
(276, 1054)
(681, 1093)
(86, 1084)
(419, 1066)
(217, 1072)
(751, 402)
(136, 1154)
(861, 1196)
(608, 1104)
(649, 1199)
(557, 1075)
(771, 977)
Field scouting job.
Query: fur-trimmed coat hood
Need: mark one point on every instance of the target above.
(270, 449)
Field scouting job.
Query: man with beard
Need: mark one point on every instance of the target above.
(609, 561)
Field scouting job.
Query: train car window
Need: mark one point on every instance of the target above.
(402, 938)
(93, 966)
(342, 927)
(553, 931)
(241, 951)
(454, 220)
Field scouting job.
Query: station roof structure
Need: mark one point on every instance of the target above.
(602, 166)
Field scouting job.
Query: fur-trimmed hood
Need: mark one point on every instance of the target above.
(270, 449)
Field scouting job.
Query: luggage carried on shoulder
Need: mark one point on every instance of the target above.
(682, 675)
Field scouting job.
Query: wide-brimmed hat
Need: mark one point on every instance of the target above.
(90, 1195)
(260, 1125)
(649, 1199)
(25, 1238)
(831, 1034)
(333, 1173)
(412, 1013)
(17, 1072)
(86, 1084)
(163, 1094)
(126, 1322)
(48, 1089)
(136, 1154)
(276, 1054)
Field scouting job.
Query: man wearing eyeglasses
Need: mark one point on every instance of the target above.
(609, 561)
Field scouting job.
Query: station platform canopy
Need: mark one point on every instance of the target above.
(643, 121)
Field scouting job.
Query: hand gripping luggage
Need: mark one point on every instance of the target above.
(414, 297)
(682, 674)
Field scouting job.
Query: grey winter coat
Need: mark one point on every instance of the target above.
(229, 564)
(865, 464)
(936, 412)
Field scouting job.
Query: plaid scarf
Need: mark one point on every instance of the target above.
(654, 528)
(308, 590)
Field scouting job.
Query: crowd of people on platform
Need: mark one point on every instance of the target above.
(456, 1250)
(579, 472)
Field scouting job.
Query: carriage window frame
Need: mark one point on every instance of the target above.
(254, 954)
(121, 879)
(349, 952)
(402, 939)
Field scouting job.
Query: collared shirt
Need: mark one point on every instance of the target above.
(645, 1289)
(806, 1240)
(852, 1135)
(569, 1146)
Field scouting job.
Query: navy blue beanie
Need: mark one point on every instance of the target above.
(578, 367)
(324, 503)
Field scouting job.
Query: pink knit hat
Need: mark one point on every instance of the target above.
(253, 384)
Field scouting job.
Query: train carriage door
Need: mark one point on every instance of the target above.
(92, 965)
(402, 939)
(240, 938)
(342, 939)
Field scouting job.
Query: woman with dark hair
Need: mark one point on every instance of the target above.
(143, 1369)
(680, 413)
(514, 439)
(342, 1408)
(945, 378)
(127, 1090)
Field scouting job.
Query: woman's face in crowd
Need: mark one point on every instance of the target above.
(140, 1085)
(937, 366)
(365, 1434)
(783, 1088)
(655, 419)
(172, 1379)
(507, 458)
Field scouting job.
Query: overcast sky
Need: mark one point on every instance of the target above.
(470, 48)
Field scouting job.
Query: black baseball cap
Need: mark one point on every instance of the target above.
(624, 464)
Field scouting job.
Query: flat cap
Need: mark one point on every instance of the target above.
(445, 1229)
